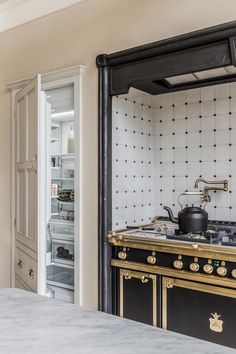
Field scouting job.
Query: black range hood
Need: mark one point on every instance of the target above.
(201, 58)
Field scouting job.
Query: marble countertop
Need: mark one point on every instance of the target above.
(32, 324)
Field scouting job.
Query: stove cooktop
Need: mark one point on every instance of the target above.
(210, 236)
(219, 233)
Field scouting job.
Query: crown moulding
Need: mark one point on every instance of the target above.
(48, 77)
(14, 13)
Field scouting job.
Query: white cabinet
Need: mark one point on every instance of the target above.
(46, 188)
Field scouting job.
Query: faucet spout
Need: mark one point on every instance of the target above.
(224, 183)
(198, 181)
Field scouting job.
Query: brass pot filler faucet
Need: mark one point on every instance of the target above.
(205, 193)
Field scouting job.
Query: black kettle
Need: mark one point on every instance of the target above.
(190, 219)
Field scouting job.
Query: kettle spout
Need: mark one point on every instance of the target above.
(171, 216)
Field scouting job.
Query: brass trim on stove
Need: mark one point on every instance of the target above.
(170, 283)
(225, 253)
(153, 269)
(144, 278)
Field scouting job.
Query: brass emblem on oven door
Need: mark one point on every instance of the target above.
(216, 325)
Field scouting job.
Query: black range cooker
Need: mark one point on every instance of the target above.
(182, 282)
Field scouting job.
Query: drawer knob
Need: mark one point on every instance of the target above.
(20, 264)
(31, 273)
(151, 259)
(122, 255)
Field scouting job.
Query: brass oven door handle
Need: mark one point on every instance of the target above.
(170, 284)
(143, 279)
(127, 276)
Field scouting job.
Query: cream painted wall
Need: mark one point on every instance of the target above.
(75, 36)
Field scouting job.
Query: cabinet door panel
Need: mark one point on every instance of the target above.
(138, 296)
(21, 127)
(21, 203)
(27, 114)
(198, 310)
(32, 124)
(32, 205)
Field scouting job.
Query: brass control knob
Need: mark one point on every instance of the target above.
(233, 273)
(194, 267)
(178, 264)
(151, 259)
(208, 268)
(122, 255)
(222, 271)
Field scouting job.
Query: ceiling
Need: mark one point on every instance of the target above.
(14, 13)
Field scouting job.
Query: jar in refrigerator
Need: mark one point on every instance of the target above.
(54, 190)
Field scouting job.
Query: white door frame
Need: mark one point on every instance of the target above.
(55, 79)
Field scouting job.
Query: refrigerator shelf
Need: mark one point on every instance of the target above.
(66, 263)
(61, 221)
(59, 293)
(62, 179)
(65, 156)
(62, 238)
(54, 126)
(54, 140)
(67, 203)
(60, 285)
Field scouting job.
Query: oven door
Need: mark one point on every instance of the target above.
(138, 296)
(198, 310)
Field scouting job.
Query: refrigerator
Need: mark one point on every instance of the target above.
(46, 185)
(61, 198)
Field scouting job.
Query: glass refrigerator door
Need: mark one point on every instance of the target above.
(60, 230)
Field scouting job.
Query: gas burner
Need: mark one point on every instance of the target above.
(209, 236)
(229, 239)
(196, 236)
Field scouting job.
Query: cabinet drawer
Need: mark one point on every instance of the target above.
(19, 284)
(26, 269)
(199, 310)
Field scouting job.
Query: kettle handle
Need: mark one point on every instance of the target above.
(191, 193)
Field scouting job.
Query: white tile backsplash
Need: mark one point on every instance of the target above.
(207, 108)
(194, 95)
(222, 91)
(162, 144)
